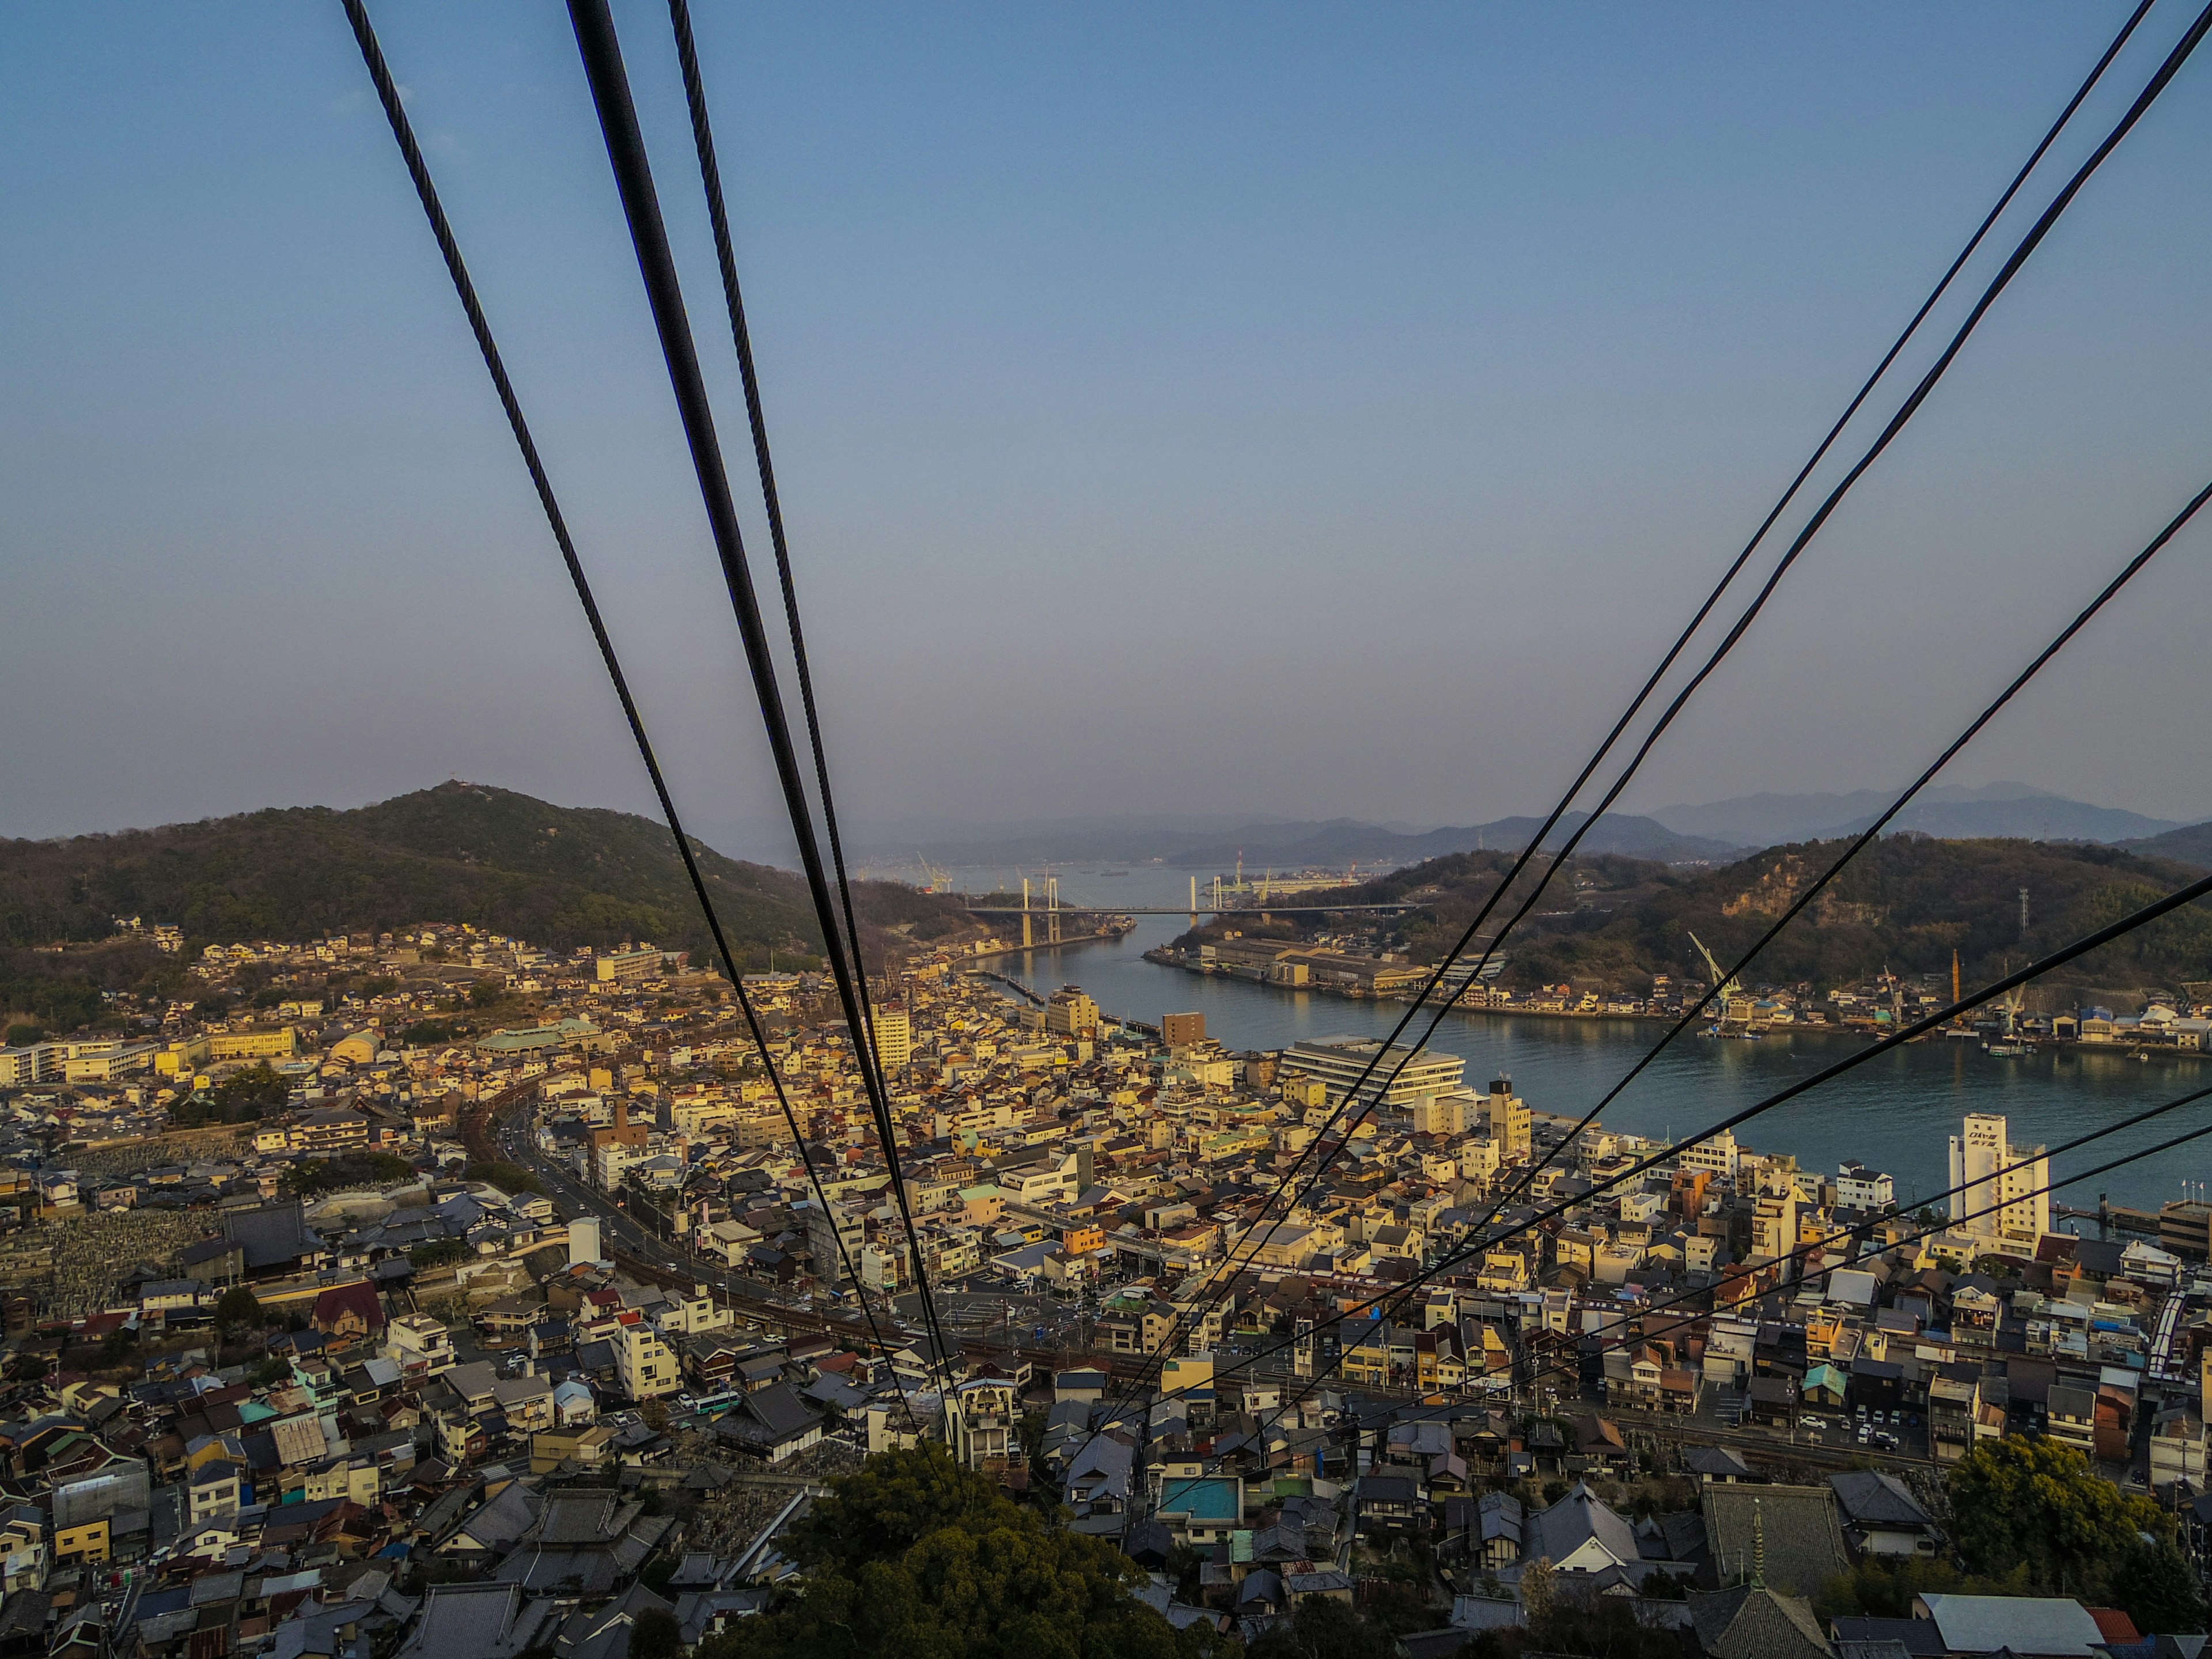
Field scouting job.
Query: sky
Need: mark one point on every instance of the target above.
(1293, 409)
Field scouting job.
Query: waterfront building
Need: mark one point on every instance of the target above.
(1858, 1187)
(1071, 1014)
(1506, 1120)
(1988, 1171)
(1338, 1063)
(1181, 1030)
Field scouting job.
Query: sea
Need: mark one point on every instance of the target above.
(1894, 1112)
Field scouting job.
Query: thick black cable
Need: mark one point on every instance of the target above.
(710, 179)
(601, 51)
(2028, 244)
(418, 170)
(1529, 1173)
(2080, 947)
(1860, 1230)
(1353, 1097)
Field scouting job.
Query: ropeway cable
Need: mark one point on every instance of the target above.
(2082, 946)
(1354, 1096)
(1865, 838)
(601, 51)
(403, 131)
(710, 179)
(1817, 1247)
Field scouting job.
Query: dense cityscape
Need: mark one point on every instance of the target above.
(430, 1283)
(1351, 921)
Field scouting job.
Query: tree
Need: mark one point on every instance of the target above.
(240, 1310)
(2039, 1505)
(916, 1555)
(654, 1634)
(1324, 1629)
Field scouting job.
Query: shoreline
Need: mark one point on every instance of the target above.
(2142, 1052)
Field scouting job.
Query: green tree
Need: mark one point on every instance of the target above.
(1325, 1629)
(244, 1096)
(917, 1556)
(654, 1634)
(2039, 1505)
(240, 1310)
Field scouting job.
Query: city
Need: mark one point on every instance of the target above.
(1138, 833)
(420, 1278)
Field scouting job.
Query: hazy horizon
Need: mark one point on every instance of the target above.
(1335, 411)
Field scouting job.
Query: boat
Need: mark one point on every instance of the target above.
(2007, 1050)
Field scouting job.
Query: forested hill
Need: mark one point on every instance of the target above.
(1906, 902)
(557, 876)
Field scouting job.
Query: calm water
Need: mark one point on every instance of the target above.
(1894, 1113)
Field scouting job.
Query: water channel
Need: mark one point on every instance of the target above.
(1894, 1113)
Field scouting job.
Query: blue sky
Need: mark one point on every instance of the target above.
(1319, 411)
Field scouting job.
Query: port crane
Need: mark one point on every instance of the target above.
(1732, 988)
(940, 881)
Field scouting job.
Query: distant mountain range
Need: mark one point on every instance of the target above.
(1282, 843)
(1717, 832)
(1948, 812)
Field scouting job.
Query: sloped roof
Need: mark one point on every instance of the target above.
(2055, 1627)
(1872, 1498)
(1801, 1535)
(1750, 1622)
(1556, 1533)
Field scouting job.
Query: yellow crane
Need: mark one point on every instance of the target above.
(1732, 988)
(940, 881)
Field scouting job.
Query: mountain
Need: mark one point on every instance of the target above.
(1347, 841)
(1950, 811)
(559, 876)
(1906, 902)
(2192, 845)
(1286, 843)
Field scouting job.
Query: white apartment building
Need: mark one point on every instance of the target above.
(1858, 1187)
(419, 1344)
(1339, 1062)
(1999, 1196)
(1718, 1154)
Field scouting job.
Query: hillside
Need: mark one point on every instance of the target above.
(2192, 845)
(561, 877)
(1906, 903)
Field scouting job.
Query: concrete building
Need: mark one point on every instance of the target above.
(1990, 1172)
(1069, 1014)
(1858, 1187)
(583, 1241)
(894, 1030)
(1445, 1115)
(1506, 1121)
(645, 1366)
(1182, 1030)
(1340, 1062)
(644, 963)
